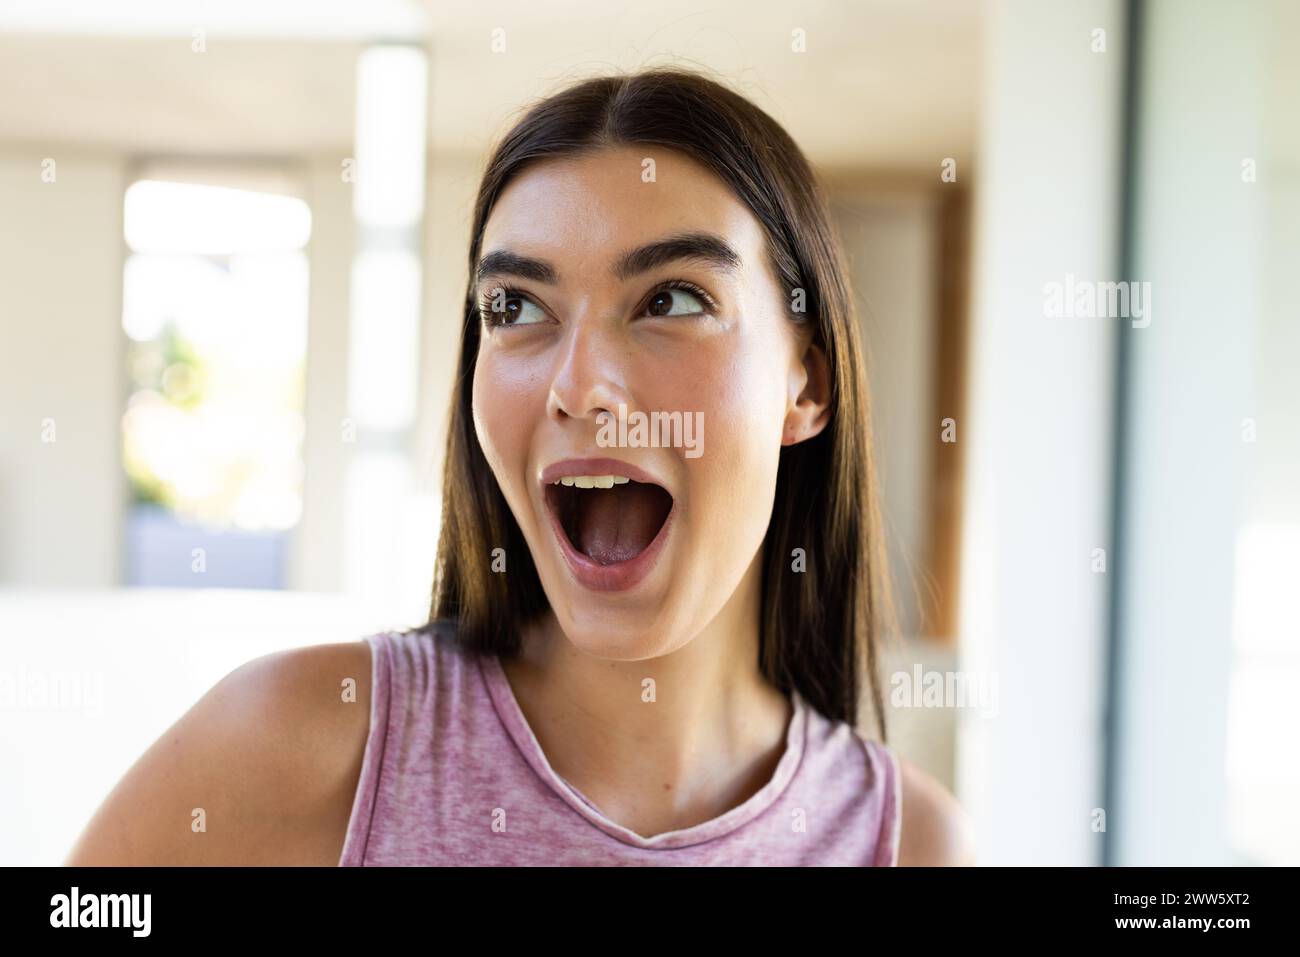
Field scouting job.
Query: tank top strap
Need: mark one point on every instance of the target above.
(887, 776)
(404, 679)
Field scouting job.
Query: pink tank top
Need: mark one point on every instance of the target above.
(452, 775)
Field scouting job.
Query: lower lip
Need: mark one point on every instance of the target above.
(619, 576)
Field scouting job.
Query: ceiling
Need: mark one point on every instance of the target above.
(883, 84)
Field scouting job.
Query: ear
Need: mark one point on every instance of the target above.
(809, 402)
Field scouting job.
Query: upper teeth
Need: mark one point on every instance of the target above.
(591, 481)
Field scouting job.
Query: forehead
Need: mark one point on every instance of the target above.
(593, 206)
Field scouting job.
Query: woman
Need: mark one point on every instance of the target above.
(659, 595)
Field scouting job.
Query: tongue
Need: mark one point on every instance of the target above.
(617, 524)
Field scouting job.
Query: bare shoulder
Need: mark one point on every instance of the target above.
(261, 770)
(935, 830)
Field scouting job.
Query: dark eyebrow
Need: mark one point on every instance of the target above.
(504, 262)
(708, 248)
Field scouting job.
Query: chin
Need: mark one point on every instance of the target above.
(619, 628)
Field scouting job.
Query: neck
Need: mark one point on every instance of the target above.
(706, 738)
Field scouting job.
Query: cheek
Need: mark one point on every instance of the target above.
(741, 389)
(508, 398)
(740, 392)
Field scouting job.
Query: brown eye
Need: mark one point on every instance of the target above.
(674, 302)
(511, 309)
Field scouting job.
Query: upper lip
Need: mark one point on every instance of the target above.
(600, 466)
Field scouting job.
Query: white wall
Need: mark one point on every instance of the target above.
(60, 311)
(1191, 379)
(1275, 488)
(1037, 433)
(316, 562)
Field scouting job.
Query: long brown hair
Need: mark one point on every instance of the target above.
(820, 628)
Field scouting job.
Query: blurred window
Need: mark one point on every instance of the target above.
(215, 299)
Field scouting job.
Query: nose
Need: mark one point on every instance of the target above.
(590, 375)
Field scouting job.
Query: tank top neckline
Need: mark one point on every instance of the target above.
(516, 725)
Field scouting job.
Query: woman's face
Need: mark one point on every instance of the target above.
(610, 298)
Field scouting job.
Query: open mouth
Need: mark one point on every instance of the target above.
(608, 518)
